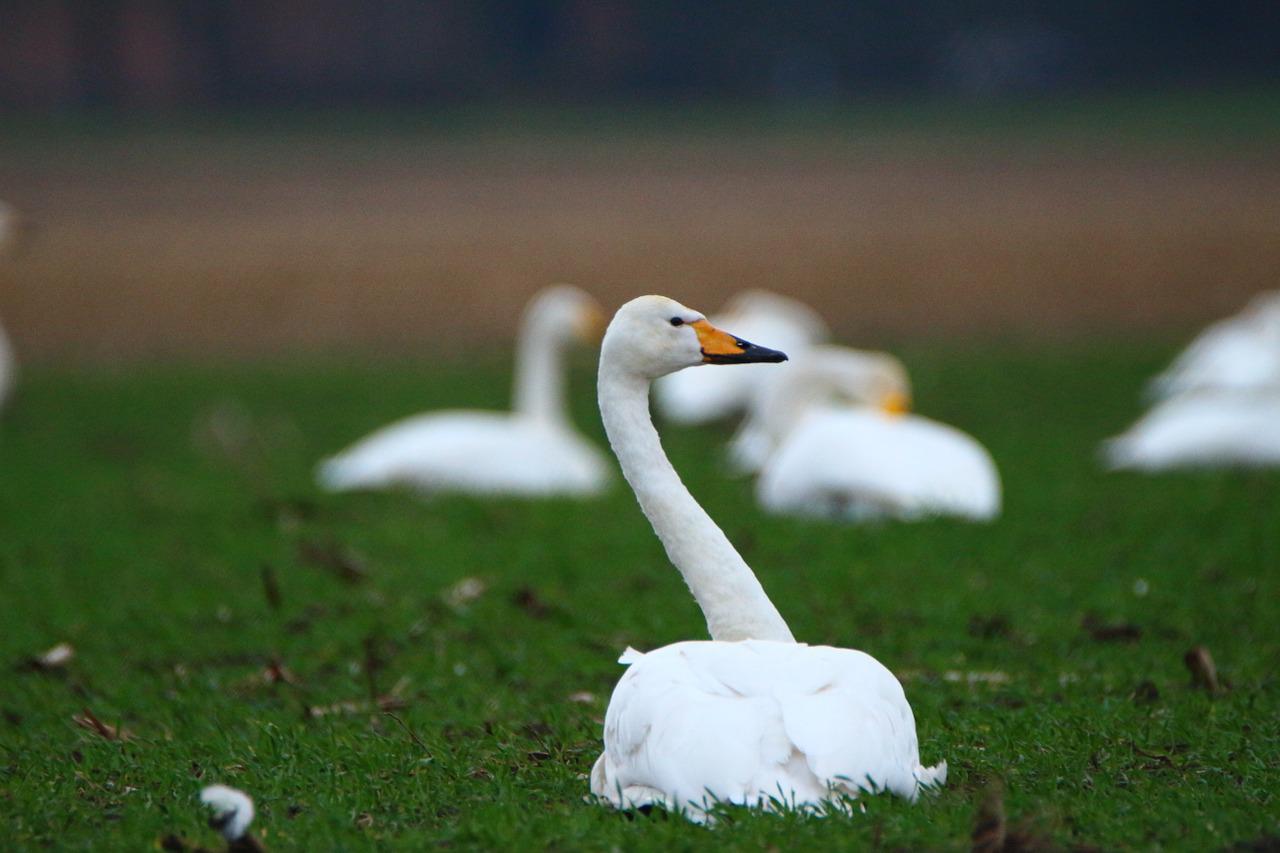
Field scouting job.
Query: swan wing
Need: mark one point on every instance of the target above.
(478, 452)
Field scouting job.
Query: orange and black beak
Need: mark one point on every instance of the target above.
(723, 348)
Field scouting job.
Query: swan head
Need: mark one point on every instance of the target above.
(653, 336)
(568, 312)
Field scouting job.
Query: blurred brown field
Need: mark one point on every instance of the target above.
(171, 244)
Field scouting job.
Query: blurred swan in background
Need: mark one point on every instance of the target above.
(10, 225)
(1202, 429)
(532, 451)
(699, 396)
(832, 439)
(1218, 404)
(1240, 353)
(751, 717)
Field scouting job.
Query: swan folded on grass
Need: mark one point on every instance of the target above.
(750, 717)
(532, 451)
(1202, 429)
(832, 439)
(701, 396)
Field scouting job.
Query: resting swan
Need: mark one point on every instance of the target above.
(751, 717)
(1240, 353)
(701, 396)
(532, 451)
(1204, 429)
(834, 440)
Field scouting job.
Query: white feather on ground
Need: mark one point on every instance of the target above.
(232, 810)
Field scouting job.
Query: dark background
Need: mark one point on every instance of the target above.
(157, 54)
(245, 179)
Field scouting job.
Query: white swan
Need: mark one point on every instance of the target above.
(1240, 353)
(700, 396)
(1208, 428)
(833, 440)
(532, 451)
(751, 717)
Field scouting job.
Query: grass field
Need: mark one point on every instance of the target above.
(140, 512)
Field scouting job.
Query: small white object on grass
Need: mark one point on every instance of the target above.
(232, 810)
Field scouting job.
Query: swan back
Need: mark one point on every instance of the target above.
(1240, 353)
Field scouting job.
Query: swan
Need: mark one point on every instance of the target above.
(834, 440)
(750, 717)
(1240, 353)
(701, 396)
(1202, 429)
(532, 451)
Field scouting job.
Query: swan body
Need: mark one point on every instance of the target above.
(530, 452)
(756, 723)
(1200, 430)
(750, 717)
(832, 439)
(700, 396)
(863, 463)
(1240, 353)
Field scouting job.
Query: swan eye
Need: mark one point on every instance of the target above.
(676, 321)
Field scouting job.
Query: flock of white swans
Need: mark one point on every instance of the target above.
(751, 716)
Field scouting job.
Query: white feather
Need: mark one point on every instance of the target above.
(232, 810)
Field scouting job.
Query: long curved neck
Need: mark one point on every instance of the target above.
(539, 384)
(731, 598)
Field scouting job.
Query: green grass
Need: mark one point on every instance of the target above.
(138, 508)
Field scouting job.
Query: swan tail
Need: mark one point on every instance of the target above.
(930, 777)
(339, 474)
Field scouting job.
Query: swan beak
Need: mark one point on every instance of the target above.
(723, 348)
(591, 324)
(895, 403)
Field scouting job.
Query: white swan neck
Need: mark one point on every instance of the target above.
(539, 380)
(732, 600)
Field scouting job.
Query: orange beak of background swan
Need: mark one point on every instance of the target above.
(723, 348)
(895, 403)
(590, 325)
